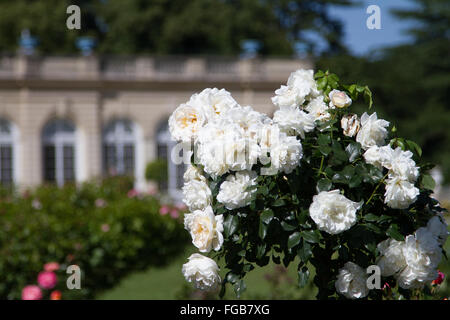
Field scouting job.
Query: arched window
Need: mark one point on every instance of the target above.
(58, 139)
(119, 148)
(7, 141)
(175, 171)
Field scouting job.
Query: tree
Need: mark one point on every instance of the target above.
(410, 82)
(172, 26)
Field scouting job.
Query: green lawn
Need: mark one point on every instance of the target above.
(168, 283)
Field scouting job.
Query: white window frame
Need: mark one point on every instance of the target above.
(11, 139)
(59, 139)
(163, 138)
(116, 135)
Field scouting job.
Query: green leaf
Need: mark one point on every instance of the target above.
(373, 227)
(266, 216)
(311, 236)
(263, 190)
(319, 74)
(371, 217)
(303, 277)
(279, 203)
(394, 233)
(322, 83)
(260, 250)
(304, 251)
(248, 267)
(232, 277)
(303, 216)
(323, 185)
(414, 147)
(324, 140)
(368, 96)
(355, 181)
(353, 151)
(239, 288)
(325, 150)
(428, 182)
(230, 225)
(293, 240)
(288, 227)
(262, 232)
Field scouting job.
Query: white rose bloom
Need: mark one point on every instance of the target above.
(288, 97)
(285, 154)
(205, 229)
(352, 281)
(400, 193)
(318, 109)
(193, 173)
(378, 156)
(202, 271)
(373, 131)
(242, 153)
(294, 121)
(213, 102)
(303, 80)
(234, 191)
(332, 212)
(422, 255)
(211, 156)
(185, 122)
(249, 120)
(217, 144)
(391, 259)
(438, 227)
(350, 125)
(339, 99)
(401, 165)
(196, 195)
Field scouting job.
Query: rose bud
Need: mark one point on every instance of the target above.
(350, 124)
(339, 99)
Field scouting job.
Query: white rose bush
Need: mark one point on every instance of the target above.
(317, 184)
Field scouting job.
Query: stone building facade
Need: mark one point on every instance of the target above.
(74, 118)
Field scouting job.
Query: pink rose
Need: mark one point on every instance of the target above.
(105, 227)
(174, 213)
(31, 292)
(51, 266)
(47, 279)
(100, 203)
(132, 193)
(164, 210)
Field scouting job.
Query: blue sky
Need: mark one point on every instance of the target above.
(359, 39)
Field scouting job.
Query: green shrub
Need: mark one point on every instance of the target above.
(98, 227)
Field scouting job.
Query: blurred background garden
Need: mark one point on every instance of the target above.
(84, 154)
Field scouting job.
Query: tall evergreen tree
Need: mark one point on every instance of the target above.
(411, 82)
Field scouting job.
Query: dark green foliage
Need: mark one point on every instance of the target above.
(171, 26)
(107, 240)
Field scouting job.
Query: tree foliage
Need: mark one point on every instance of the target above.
(411, 81)
(171, 26)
